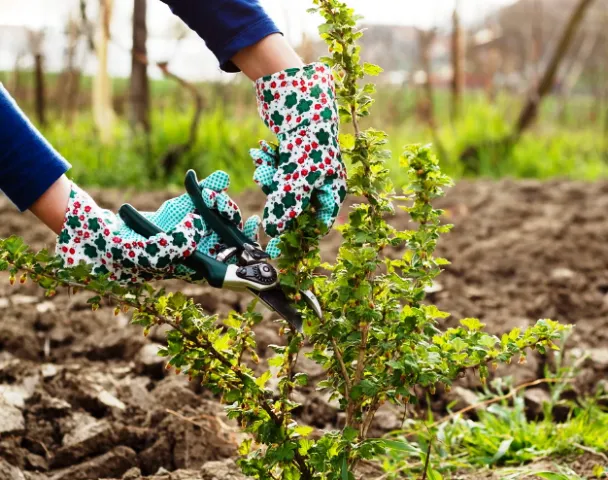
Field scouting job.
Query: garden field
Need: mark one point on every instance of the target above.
(463, 286)
(88, 397)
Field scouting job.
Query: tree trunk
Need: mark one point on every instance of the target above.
(40, 100)
(66, 94)
(16, 77)
(458, 59)
(530, 110)
(426, 105)
(574, 71)
(139, 87)
(174, 154)
(102, 86)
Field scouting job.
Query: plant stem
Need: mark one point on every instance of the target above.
(338, 354)
(427, 459)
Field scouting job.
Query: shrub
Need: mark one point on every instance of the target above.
(378, 341)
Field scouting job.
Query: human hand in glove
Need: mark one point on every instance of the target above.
(299, 106)
(100, 238)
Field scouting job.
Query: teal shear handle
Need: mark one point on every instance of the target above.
(205, 267)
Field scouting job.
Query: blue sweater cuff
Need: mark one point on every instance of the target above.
(250, 36)
(28, 163)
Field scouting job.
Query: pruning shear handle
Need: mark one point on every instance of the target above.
(252, 272)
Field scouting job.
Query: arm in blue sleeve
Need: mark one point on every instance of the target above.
(28, 163)
(226, 26)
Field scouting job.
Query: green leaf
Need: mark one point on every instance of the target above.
(349, 434)
(344, 468)
(458, 344)
(222, 343)
(276, 361)
(503, 448)
(487, 341)
(551, 475)
(514, 334)
(347, 141)
(304, 430)
(263, 379)
(472, 324)
(598, 471)
(285, 452)
(94, 300)
(401, 446)
(325, 28)
(371, 69)
(432, 474)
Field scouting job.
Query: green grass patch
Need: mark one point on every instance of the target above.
(502, 435)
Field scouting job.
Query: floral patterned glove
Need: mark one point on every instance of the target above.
(100, 238)
(299, 106)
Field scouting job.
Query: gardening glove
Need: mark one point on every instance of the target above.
(299, 106)
(100, 238)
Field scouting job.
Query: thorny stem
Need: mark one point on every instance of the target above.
(289, 366)
(352, 404)
(345, 374)
(350, 82)
(369, 417)
(200, 342)
(427, 460)
(355, 122)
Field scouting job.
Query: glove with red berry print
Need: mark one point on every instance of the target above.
(299, 106)
(100, 238)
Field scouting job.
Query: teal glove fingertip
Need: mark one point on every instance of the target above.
(272, 248)
(252, 227)
(218, 181)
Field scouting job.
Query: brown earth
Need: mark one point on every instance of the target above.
(83, 395)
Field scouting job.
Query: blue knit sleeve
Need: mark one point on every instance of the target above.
(226, 26)
(28, 163)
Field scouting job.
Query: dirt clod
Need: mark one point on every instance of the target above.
(109, 465)
(89, 437)
(11, 419)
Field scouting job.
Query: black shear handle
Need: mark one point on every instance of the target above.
(205, 267)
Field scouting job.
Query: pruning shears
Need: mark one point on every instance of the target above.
(252, 271)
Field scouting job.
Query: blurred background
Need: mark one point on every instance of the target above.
(131, 97)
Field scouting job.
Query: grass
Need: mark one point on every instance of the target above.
(222, 143)
(573, 145)
(502, 435)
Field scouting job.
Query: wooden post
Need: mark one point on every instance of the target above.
(103, 112)
(458, 59)
(40, 100)
(139, 91)
(530, 110)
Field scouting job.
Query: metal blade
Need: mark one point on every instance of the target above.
(276, 300)
(313, 302)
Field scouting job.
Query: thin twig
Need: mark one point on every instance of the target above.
(216, 422)
(427, 459)
(353, 112)
(338, 354)
(592, 451)
(199, 341)
(369, 417)
(358, 373)
(498, 399)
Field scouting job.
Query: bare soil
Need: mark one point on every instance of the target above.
(83, 395)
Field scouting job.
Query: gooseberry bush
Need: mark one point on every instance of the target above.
(378, 342)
